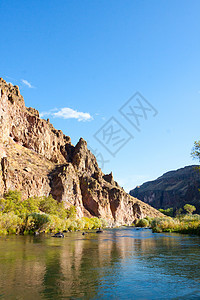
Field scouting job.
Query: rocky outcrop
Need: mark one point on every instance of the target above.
(173, 189)
(39, 160)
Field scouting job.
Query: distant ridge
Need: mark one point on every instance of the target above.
(172, 189)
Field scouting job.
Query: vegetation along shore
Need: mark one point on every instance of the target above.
(45, 215)
(182, 222)
(40, 214)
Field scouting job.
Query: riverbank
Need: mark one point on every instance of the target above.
(40, 215)
(187, 224)
(46, 215)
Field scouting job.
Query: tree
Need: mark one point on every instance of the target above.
(168, 212)
(178, 212)
(196, 150)
(189, 208)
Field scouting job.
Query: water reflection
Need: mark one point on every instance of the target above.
(120, 263)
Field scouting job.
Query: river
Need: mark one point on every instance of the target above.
(124, 263)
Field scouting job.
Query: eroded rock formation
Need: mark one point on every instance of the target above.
(172, 189)
(39, 160)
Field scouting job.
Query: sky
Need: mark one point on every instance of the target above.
(122, 74)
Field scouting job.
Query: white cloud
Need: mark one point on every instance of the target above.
(67, 113)
(28, 84)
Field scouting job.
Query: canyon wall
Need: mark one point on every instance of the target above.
(39, 160)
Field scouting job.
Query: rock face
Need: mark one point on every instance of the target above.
(39, 160)
(173, 189)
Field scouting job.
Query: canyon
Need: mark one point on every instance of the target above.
(39, 160)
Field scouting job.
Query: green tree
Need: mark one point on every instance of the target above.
(179, 212)
(168, 212)
(196, 150)
(71, 212)
(31, 205)
(12, 202)
(48, 205)
(189, 208)
(36, 222)
(142, 223)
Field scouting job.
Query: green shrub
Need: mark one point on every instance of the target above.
(185, 224)
(166, 224)
(48, 205)
(73, 226)
(80, 223)
(40, 214)
(189, 208)
(142, 223)
(88, 223)
(31, 205)
(96, 222)
(12, 202)
(149, 219)
(10, 223)
(178, 212)
(71, 212)
(36, 222)
(168, 212)
(55, 224)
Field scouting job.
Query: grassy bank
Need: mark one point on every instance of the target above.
(40, 214)
(189, 224)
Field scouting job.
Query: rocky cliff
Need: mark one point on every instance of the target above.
(39, 160)
(173, 189)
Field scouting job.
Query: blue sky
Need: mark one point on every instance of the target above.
(78, 62)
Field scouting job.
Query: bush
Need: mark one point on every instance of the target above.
(31, 205)
(36, 222)
(81, 224)
(71, 212)
(40, 214)
(142, 223)
(185, 224)
(168, 212)
(12, 202)
(164, 224)
(55, 224)
(73, 226)
(149, 219)
(48, 205)
(88, 223)
(10, 223)
(96, 223)
(189, 208)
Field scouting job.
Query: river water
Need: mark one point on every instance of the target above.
(123, 263)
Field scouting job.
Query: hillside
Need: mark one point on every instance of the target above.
(172, 189)
(39, 160)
